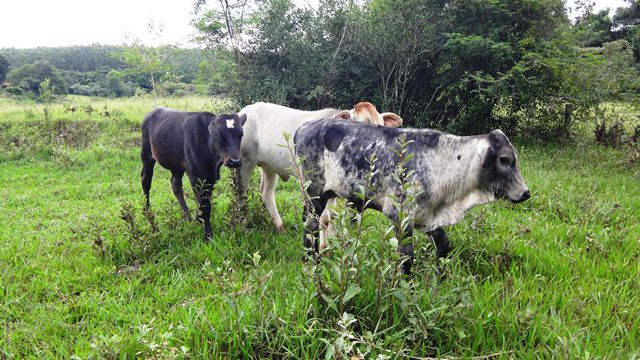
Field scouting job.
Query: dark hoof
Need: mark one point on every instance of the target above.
(310, 255)
(238, 222)
(406, 268)
(440, 275)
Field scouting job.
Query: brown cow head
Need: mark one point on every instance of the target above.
(225, 136)
(367, 113)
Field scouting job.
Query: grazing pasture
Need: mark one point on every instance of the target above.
(85, 275)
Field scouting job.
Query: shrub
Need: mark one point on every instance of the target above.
(30, 76)
(172, 88)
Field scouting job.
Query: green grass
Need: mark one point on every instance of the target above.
(129, 108)
(556, 276)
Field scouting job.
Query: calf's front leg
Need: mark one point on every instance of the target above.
(405, 243)
(268, 188)
(202, 190)
(242, 178)
(405, 246)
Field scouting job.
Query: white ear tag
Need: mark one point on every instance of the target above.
(231, 123)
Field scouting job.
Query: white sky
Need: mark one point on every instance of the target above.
(32, 23)
(612, 4)
(602, 4)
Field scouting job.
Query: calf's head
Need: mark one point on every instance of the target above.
(225, 135)
(500, 173)
(367, 113)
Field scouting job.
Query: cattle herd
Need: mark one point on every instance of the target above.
(335, 148)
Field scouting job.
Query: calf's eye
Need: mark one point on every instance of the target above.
(505, 160)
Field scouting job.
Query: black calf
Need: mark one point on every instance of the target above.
(197, 143)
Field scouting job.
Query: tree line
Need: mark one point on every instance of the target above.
(99, 70)
(461, 66)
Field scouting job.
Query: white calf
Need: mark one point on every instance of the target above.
(263, 140)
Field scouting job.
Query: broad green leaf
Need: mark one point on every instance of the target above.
(352, 291)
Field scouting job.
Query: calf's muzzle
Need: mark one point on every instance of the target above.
(234, 163)
(523, 197)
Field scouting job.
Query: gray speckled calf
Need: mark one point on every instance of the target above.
(454, 173)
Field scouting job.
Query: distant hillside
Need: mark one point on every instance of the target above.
(73, 58)
(99, 70)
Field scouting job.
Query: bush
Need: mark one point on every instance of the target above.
(87, 90)
(30, 76)
(45, 139)
(14, 90)
(171, 88)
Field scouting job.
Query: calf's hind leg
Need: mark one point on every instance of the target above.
(441, 240)
(176, 187)
(326, 230)
(311, 220)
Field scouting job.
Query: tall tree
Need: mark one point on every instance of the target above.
(223, 25)
(4, 68)
(595, 29)
(626, 21)
(397, 38)
(144, 61)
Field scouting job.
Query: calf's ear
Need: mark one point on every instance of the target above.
(391, 119)
(343, 115)
(498, 138)
(242, 118)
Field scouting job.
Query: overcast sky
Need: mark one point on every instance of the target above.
(32, 23)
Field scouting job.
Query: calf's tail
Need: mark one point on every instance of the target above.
(146, 155)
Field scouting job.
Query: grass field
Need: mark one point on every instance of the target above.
(84, 276)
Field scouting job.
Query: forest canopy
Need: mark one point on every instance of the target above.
(465, 66)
